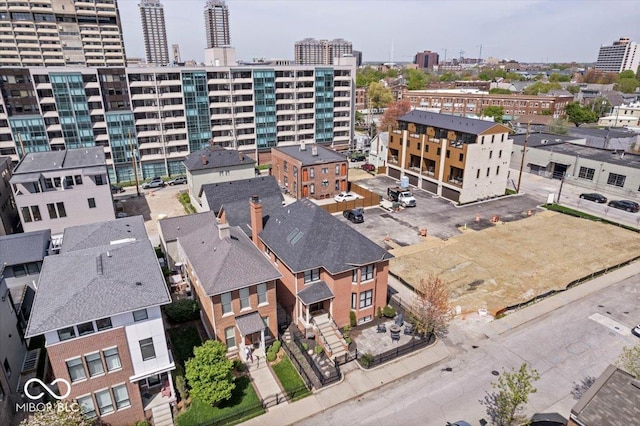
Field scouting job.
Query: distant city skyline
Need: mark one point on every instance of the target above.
(526, 30)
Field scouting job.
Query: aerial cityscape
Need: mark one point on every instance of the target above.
(218, 212)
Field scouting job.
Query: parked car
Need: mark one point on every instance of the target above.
(548, 419)
(116, 189)
(178, 180)
(156, 182)
(345, 196)
(636, 330)
(627, 205)
(358, 157)
(354, 215)
(368, 167)
(594, 196)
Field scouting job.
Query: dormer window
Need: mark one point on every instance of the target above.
(311, 275)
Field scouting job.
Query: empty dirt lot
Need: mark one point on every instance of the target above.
(513, 262)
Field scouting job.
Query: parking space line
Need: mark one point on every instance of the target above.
(610, 324)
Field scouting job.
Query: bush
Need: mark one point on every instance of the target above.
(182, 311)
(181, 386)
(389, 312)
(142, 423)
(271, 356)
(379, 312)
(352, 318)
(318, 350)
(366, 360)
(348, 340)
(275, 347)
(305, 346)
(239, 366)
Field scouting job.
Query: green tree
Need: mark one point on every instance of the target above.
(573, 89)
(511, 393)
(392, 73)
(627, 85)
(55, 417)
(629, 360)
(627, 74)
(449, 76)
(367, 75)
(499, 91)
(496, 112)
(558, 126)
(209, 373)
(416, 79)
(359, 118)
(555, 77)
(380, 95)
(514, 76)
(577, 114)
(540, 87)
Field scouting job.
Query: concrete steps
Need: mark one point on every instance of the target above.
(333, 338)
(162, 415)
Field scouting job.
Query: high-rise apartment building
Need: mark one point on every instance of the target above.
(426, 59)
(622, 55)
(61, 33)
(321, 52)
(154, 32)
(216, 20)
(155, 116)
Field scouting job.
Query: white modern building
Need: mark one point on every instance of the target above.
(620, 56)
(61, 33)
(154, 32)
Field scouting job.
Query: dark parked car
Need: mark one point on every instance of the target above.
(358, 157)
(636, 330)
(368, 167)
(354, 215)
(598, 198)
(630, 206)
(115, 189)
(178, 181)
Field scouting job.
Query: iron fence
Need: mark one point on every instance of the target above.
(324, 377)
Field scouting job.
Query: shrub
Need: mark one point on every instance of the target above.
(352, 318)
(142, 423)
(348, 340)
(318, 350)
(379, 313)
(209, 373)
(181, 386)
(366, 360)
(389, 312)
(183, 310)
(271, 356)
(305, 346)
(275, 347)
(239, 366)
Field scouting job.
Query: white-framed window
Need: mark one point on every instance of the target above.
(121, 395)
(140, 315)
(364, 319)
(312, 172)
(112, 359)
(366, 299)
(354, 300)
(105, 403)
(86, 328)
(66, 333)
(104, 324)
(76, 369)
(244, 298)
(262, 294)
(147, 349)
(87, 406)
(337, 169)
(616, 180)
(94, 364)
(312, 188)
(586, 173)
(367, 272)
(226, 303)
(311, 275)
(230, 337)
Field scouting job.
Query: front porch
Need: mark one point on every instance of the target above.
(157, 390)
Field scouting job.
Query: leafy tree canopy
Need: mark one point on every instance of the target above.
(496, 112)
(627, 85)
(540, 87)
(577, 114)
(209, 373)
(559, 77)
(629, 360)
(573, 89)
(416, 79)
(506, 403)
(627, 74)
(367, 75)
(54, 416)
(380, 95)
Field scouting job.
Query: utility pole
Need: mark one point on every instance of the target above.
(564, 175)
(524, 150)
(133, 161)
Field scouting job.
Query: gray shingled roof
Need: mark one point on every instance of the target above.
(325, 155)
(216, 157)
(56, 160)
(449, 122)
(226, 264)
(234, 196)
(315, 292)
(250, 323)
(17, 249)
(172, 227)
(613, 400)
(304, 236)
(102, 233)
(96, 282)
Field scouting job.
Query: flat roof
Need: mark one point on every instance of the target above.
(58, 160)
(304, 153)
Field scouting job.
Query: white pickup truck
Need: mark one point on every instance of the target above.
(402, 196)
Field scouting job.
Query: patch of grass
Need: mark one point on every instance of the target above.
(263, 167)
(184, 199)
(576, 213)
(510, 191)
(290, 379)
(243, 405)
(183, 340)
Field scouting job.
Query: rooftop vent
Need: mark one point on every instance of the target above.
(303, 146)
(314, 151)
(138, 283)
(204, 160)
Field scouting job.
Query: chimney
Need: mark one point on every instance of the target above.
(224, 231)
(314, 151)
(241, 156)
(303, 146)
(255, 206)
(204, 160)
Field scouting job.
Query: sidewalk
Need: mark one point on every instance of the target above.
(354, 384)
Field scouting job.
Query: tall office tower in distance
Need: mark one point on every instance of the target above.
(321, 52)
(154, 32)
(216, 20)
(623, 55)
(61, 33)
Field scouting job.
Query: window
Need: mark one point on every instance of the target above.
(35, 212)
(262, 293)
(230, 337)
(61, 210)
(311, 275)
(295, 171)
(76, 369)
(26, 215)
(498, 170)
(325, 170)
(366, 298)
(244, 298)
(92, 203)
(68, 181)
(337, 185)
(147, 349)
(267, 330)
(312, 172)
(86, 404)
(354, 276)
(7, 367)
(66, 333)
(488, 171)
(312, 188)
(99, 180)
(367, 272)
(226, 303)
(86, 328)
(337, 169)
(616, 180)
(354, 300)
(112, 359)
(448, 154)
(490, 154)
(94, 364)
(78, 179)
(53, 214)
(121, 395)
(493, 138)
(48, 183)
(57, 182)
(586, 173)
(460, 157)
(438, 151)
(103, 324)
(286, 166)
(105, 404)
(140, 315)
(500, 154)
(478, 174)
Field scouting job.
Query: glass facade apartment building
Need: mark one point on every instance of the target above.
(154, 117)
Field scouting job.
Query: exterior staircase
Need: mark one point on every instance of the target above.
(331, 337)
(162, 415)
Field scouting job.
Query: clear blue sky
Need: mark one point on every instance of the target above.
(525, 30)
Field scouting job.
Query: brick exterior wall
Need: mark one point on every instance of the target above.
(61, 352)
